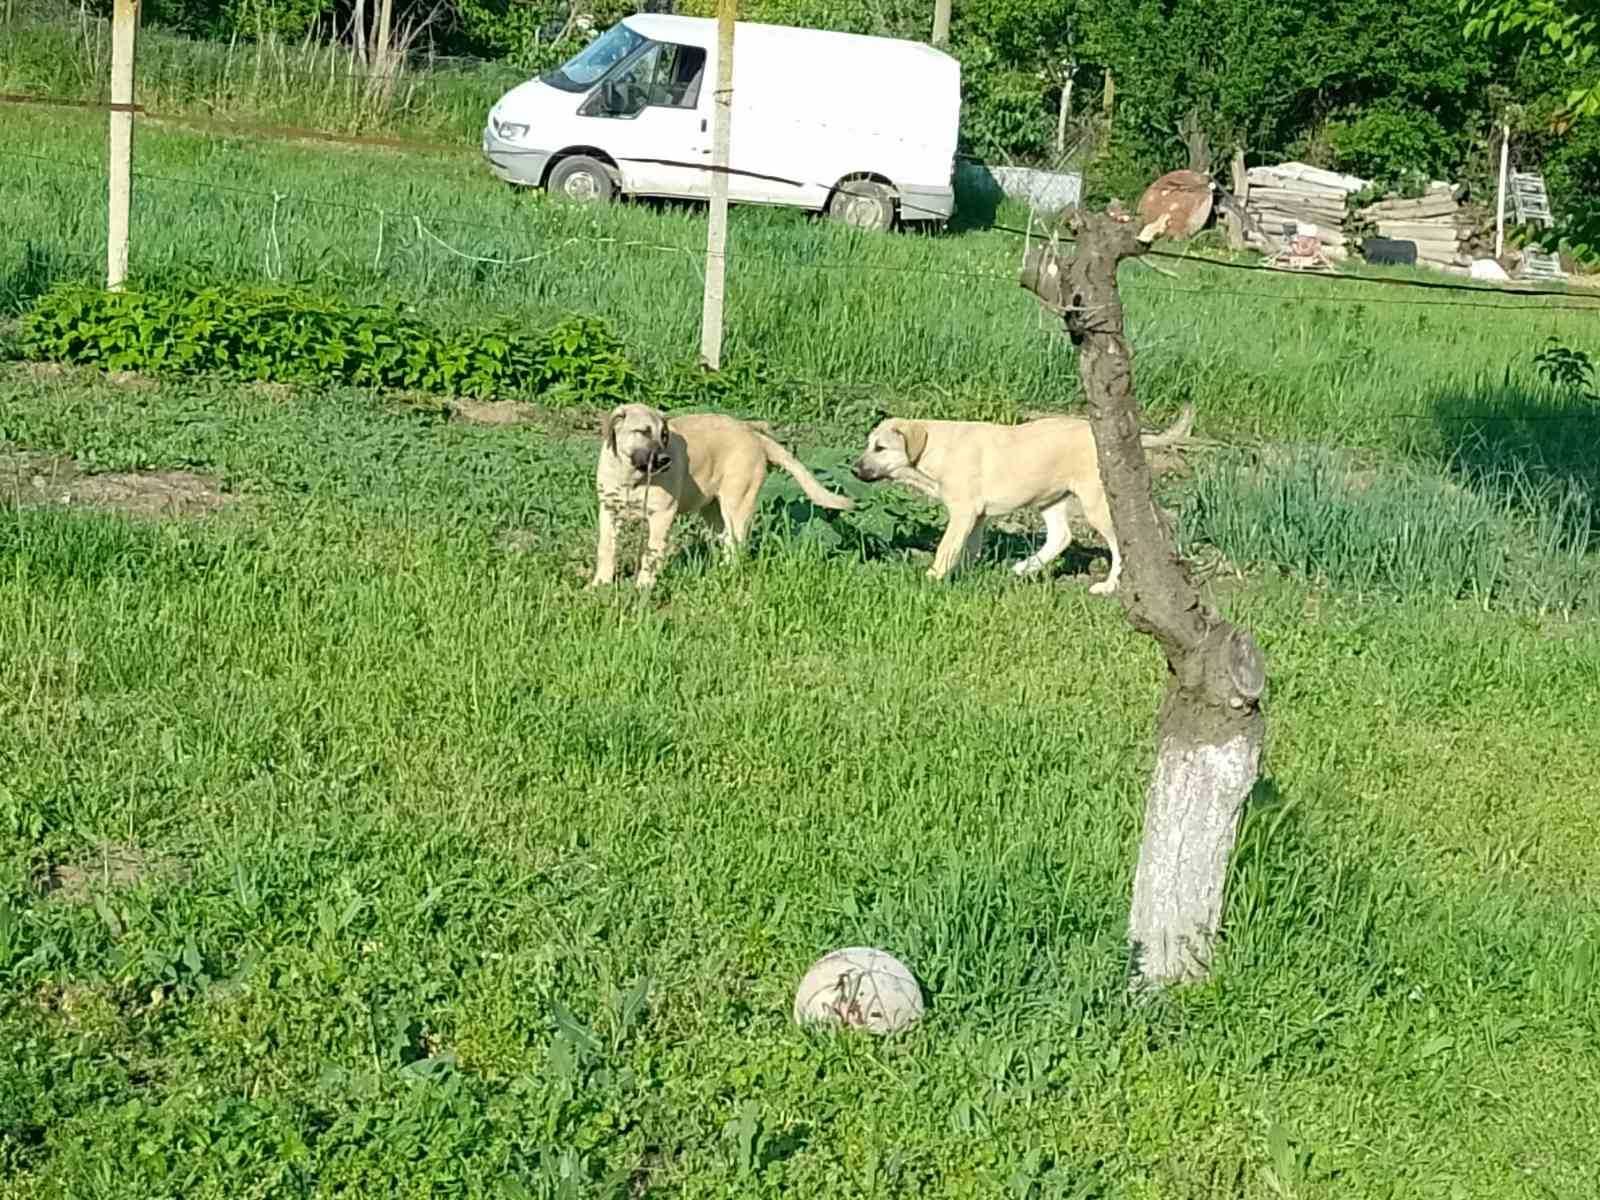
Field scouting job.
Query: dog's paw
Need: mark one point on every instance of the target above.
(1026, 567)
(1104, 588)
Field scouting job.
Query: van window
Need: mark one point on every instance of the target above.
(579, 73)
(679, 70)
(665, 76)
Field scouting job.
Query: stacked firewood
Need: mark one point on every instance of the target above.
(1283, 198)
(1436, 222)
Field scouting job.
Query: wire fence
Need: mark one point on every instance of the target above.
(431, 228)
(1517, 298)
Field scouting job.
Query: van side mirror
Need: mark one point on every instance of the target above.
(612, 99)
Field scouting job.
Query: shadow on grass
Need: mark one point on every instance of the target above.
(29, 272)
(1498, 429)
(895, 531)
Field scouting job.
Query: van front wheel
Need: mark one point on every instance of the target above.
(863, 204)
(582, 179)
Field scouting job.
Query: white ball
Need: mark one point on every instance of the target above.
(860, 988)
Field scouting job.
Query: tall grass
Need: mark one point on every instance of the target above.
(455, 879)
(268, 80)
(846, 324)
(1510, 537)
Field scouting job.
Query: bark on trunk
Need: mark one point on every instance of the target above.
(1195, 143)
(1210, 728)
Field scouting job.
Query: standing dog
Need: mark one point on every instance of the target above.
(700, 463)
(979, 470)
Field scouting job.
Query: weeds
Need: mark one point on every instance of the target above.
(289, 335)
(1507, 537)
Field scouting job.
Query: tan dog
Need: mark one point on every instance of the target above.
(701, 463)
(979, 470)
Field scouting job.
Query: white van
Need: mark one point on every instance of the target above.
(862, 127)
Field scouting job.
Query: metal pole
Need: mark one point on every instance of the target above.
(1500, 196)
(717, 230)
(124, 27)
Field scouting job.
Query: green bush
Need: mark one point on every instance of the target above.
(1390, 142)
(290, 335)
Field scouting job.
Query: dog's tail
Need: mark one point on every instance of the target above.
(815, 492)
(1174, 433)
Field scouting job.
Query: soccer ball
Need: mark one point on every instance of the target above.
(859, 988)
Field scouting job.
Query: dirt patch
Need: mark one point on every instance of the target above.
(35, 479)
(132, 381)
(265, 389)
(42, 370)
(491, 412)
(109, 868)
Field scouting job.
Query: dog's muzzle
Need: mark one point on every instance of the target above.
(651, 462)
(863, 471)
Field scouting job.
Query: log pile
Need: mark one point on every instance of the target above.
(1436, 222)
(1292, 194)
(1447, 233)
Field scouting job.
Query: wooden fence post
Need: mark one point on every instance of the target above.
(124, 32)
(717, 228)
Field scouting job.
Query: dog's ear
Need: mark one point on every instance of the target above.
(608, 429)
(915, 434)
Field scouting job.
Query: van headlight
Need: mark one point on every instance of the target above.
(508, 130)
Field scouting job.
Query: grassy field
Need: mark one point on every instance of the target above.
(269, 81)
(447, 878)
(348, 847)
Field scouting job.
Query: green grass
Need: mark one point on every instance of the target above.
(843, 324)
(463, 881)
(1514, 537)
(269, 82)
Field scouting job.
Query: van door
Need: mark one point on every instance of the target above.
(652, 116)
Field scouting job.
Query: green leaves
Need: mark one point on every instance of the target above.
(1565, 29)
(289, 335)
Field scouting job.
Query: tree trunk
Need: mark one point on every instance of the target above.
(1210, 727)
(941, 22)
(358, 31)
(381, 49)
(1241, 193)
(1195, 143)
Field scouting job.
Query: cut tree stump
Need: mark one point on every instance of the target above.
(1210, 728)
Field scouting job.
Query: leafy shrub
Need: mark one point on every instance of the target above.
(1390, 142)
(1565, 368)
(1003, 111)
(289, 335)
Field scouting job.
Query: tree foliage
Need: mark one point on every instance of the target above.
(1367, 86)
(1568, 30)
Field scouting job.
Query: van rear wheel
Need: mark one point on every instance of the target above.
(863, 204)
(581, 179)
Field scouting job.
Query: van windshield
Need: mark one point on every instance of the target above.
(587, 67)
